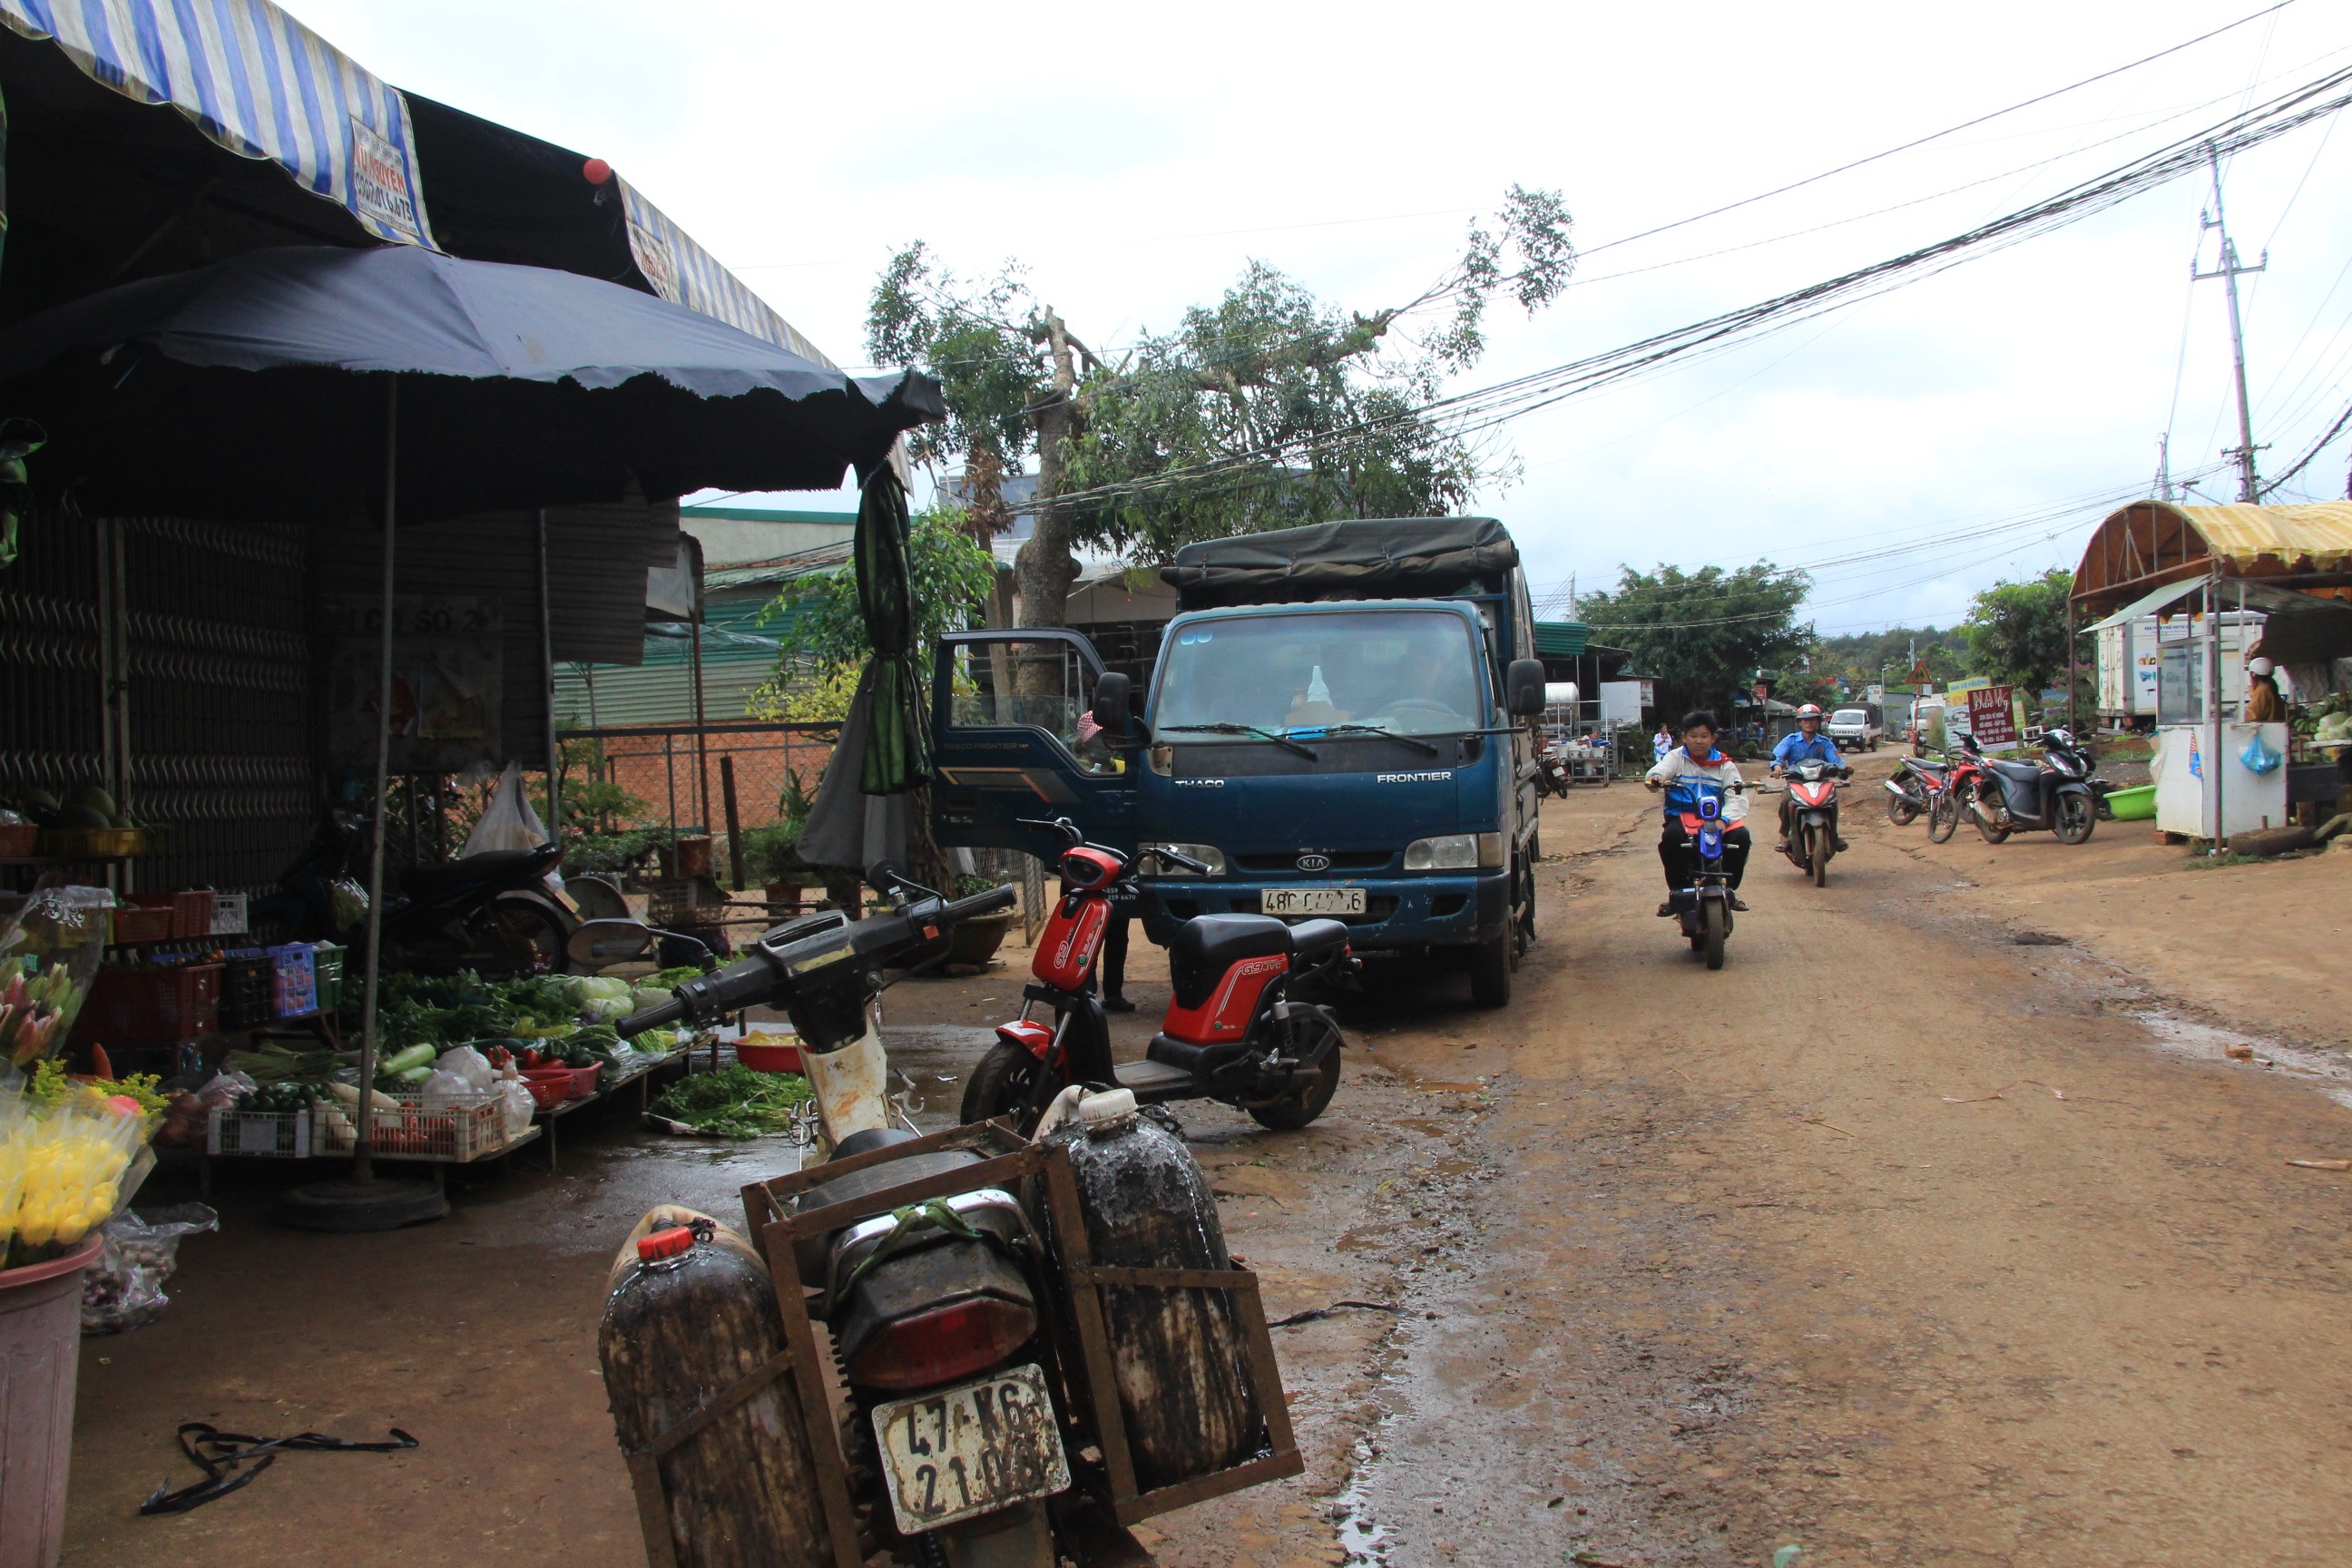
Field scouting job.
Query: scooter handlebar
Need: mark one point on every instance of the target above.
(759, 977)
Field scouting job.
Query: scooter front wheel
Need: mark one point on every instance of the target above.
(1005, 1084)
(1717, 923)
(2075, 818)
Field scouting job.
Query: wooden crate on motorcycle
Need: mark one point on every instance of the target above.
(703, 1391)
(1234, 1429)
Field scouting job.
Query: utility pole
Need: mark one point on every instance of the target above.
(2164, 467)
(2228, 271)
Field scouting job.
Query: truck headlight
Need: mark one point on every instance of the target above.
(1455, 852)
(1208, 855)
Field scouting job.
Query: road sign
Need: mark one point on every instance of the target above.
(1919, 671)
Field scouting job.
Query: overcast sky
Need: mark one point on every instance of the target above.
(1134, 158)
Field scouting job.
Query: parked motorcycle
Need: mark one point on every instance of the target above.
(1911, 793)
(1235, 1031)
(2057, 793)
(976, 1396)
(1965, 778)
(1552, 773)
(1811, 837)
(491, 913)
(1704, 909)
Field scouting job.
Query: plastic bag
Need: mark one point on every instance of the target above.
(516, 1107)
(469, 1065)
(49, 949)
(124, 1289)
(510, 823)
(2259, 758)
(445, 1091)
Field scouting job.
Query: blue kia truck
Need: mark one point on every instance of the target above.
(1337, 725)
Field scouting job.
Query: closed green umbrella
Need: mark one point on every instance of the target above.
(899, 741)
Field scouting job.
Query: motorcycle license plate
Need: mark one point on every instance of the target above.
(1311, 901)
(957, 1453)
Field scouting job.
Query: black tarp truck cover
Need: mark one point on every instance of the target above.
(1372, 558)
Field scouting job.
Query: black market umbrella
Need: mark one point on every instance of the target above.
(253, 389)
(316, 381)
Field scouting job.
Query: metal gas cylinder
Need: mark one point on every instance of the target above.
(1179, 1357)
(689, 1313)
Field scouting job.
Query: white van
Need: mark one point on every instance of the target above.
(1855, 730)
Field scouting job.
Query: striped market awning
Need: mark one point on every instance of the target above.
(259, 83)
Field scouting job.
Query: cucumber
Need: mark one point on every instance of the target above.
(400, 1062)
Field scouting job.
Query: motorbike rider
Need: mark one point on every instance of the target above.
(1806, 743)
(1693, 768)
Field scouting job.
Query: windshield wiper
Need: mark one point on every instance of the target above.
(1423, 747)
(1285, 741)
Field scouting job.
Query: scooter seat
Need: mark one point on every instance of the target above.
(2008, 769)
(1216, 943)
(512, 868)
(1312, 939)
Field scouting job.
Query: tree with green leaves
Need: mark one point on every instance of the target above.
(2017, 631)
(822, 631)
(1703, 635)
(1299, 411)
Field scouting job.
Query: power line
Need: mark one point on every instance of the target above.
(2318, 447)
(1937, 136)
(1466, 413)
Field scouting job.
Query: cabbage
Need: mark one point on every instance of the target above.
(649, 997)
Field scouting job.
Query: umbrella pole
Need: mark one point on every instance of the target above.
(363, 1145)
(364, 1203)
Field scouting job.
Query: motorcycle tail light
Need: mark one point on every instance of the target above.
(960, 1339)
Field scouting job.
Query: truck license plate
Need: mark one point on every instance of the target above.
(960, 1452)
(1311, 901)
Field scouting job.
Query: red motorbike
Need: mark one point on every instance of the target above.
(1953, 802)
(1234, 1030)
(1810, 835)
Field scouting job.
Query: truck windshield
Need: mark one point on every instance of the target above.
(1850, 716)
(1404, 672)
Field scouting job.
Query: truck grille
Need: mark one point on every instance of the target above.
(1344, 860)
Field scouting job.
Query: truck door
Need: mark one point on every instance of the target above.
(1005, 732)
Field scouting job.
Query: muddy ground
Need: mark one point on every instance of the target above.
(1899, 1239)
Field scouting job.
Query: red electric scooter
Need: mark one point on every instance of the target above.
(1232, 1033)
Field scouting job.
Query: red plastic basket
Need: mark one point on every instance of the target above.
(761, 1057)
(549, 1087)
(584, 1079)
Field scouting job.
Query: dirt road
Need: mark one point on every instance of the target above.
(1896, 1239)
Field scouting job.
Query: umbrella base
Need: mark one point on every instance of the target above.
(348, 1204)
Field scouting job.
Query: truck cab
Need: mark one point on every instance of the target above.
(1337, 725)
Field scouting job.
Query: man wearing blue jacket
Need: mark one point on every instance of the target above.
(1806, 743)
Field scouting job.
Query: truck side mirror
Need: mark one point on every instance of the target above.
(1523, 688)
(1111, 691)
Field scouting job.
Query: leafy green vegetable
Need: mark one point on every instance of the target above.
(735, 1101)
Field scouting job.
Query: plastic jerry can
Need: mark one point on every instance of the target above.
(1179, 1356)
(689, 1310)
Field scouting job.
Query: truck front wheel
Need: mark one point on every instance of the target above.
(1491, 963)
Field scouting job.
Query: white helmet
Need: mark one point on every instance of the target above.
(2258, 665)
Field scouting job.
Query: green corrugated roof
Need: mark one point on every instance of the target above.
(1560, 640)
(766, 514)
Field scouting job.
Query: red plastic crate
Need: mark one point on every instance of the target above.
(192, 911)
(138, 924)
(160, 1004)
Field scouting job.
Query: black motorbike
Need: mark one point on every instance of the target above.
(491, 913)
(2057, 793)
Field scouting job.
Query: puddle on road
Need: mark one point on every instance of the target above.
(1363, 1538)
(2329, 1071)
